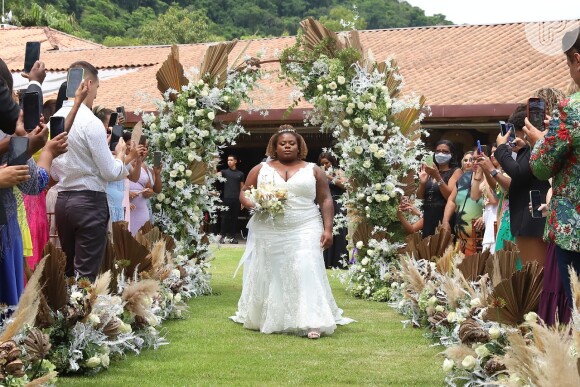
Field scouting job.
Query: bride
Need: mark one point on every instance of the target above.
(285, 287)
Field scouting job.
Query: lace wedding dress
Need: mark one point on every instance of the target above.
(285, 287)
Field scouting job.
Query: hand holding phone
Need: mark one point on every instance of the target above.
(31, 55)
(18, 151)
(536, 202)
(112, 120)
(31, 110)
(479, 147)
(116, 134)
(537, 112)
(73, 80)
(56, 126)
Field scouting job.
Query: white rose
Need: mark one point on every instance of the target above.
(360, 105)
(373, 148)
(366, 126)
(378, 187)
(394, 285)
(389, 186)
(349, 110)
(358, 121)
(448, 365)
(177, 297)
(94, 319)
(342, 98)
(179, 129)
(160, 197)
(494, 333)
(175, 273)
(204, 92)
(439, 308)
(188, 173)
(180, 119)
(191, 102)
(199, 112)
(346, 123)
(204, 133)
(469, 362)
(369, 199)
(370, 252)
(361, 195)
(226, 98)
(358, 149)
(211, 115)
(153, 126)
(341, 80)
(432, 301)
(381, 153)
(172, 136)
(452, 316)
(76, 296)
(531, 317)
(221, 138)
(158, 206)
(179, 184)
(105, 360)
(366, 164)
(363, 270)
(200, 82)
(475, 302)
(320, 87)
(181, 168)
(332, 85)
(173, 173)
(365, 261)
(93, 362)
(359, 245)
(373, 98)
(482, 351)
(167, 201)
(190, 157)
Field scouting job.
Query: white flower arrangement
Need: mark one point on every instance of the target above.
(268, 199)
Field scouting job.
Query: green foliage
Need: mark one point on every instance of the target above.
(114, 21)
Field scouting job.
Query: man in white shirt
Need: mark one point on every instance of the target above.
(81, 211)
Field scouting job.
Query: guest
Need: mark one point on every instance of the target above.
(436, 184)
(82, 175)
(467, 162)
(555, 154)
(405, 206)
(337, 252)
(527, 230)
(141, 190)
(285, 288)
(231, 198)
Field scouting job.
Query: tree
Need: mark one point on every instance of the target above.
(177, 25)
(35, 15)
(341, 18)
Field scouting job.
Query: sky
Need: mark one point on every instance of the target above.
(500, 11)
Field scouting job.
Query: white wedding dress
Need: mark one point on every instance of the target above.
(285, 287)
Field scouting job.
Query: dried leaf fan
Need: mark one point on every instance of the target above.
(170, 75)
(214, 66)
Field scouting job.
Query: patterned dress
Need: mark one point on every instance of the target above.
(558, 155)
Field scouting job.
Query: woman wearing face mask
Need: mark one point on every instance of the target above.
(436, 184)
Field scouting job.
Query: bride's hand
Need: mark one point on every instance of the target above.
(326, 240)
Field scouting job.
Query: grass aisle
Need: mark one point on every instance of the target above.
(209, 349)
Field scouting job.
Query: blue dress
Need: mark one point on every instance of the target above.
(11, 253)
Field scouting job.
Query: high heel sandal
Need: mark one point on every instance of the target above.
(314, 334)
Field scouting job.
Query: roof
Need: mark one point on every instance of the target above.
(458, 66)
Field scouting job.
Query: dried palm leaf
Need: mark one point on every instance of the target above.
(412, 275)
(470, 332)
(483, 289)
(44, 316)
(53, 277)
(362, 233)
(214, 66)
(137, 296)
(466, 285)
(512, 298)
(158, 258)
(501, 266)
(315, 33)
(127, 248)
(459, 352)
(27, 307)
(237, 63)
(473, 266)
(351, 39)
(148, 235)
(171, 75)
(198, 172)
(393, 79)
(407, 119)
(137, 132)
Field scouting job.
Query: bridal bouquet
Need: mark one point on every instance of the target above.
(268, 199)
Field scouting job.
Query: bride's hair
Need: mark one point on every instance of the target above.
(286, 129)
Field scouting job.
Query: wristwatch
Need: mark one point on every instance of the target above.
(494, 173)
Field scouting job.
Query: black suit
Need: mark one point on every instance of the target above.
(9, 109)
(523, 181)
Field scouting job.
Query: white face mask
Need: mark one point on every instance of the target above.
(442, 158)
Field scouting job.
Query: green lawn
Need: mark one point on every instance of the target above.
(209, 349)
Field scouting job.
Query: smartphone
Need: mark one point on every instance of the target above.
(31, 55)
(536, 200)
(483, 150)
(20, 94)
(156, 159)
(56, 126)
(31, 110)
(429, 161)
(502, 128)
(73, 80)
(537, 112)
(512, 138)
(121, 112)
(112, 120)
(116, 134)
(143, 140)
(479, 147)
(18, 150)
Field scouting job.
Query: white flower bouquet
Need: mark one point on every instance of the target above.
(268, 199)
